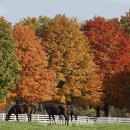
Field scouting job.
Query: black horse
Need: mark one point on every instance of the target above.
(21, 109)
(56, 109)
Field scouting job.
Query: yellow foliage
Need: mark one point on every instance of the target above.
(77, 93)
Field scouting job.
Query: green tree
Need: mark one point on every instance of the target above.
(9, 66)
(124, 22)
(37, 24)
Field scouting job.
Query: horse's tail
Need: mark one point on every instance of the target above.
(34, 107)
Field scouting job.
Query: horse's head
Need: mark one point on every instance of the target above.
(7, 117)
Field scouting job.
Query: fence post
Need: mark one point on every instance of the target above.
(119, 120)
(38, 117)
(109, 119)
(15, 117)
(99, 120)
(88, 119)
(115, 120)
(3, 116)
(26, 117)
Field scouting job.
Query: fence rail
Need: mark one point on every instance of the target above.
(81, 119)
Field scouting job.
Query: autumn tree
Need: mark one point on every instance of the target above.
(119, 86)
(110, 48)
(36, 83)
(9, 66)
(68, 52)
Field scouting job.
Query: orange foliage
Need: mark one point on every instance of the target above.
(36, 82)
(69, 56)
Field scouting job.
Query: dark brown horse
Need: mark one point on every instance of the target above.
(56, 109)
(21, 109)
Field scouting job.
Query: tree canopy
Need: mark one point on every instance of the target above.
(37, 24)
(110, 47)
(9, 66)
(68, 52)
(36, 82)
(60, 60)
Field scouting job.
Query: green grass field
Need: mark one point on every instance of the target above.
(12, 125)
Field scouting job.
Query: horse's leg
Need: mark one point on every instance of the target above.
(17, 117)
(67, 119)
(71, 117)
(7, 117)
(29, 117)
(66, 115)
(61, 118)
(75, 116)
(53, 118)
(50, 118)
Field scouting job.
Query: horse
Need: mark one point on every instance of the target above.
(21, 109)
(57, 109)
(73, 111)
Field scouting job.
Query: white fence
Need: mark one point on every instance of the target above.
(81, 119)
(113, 120)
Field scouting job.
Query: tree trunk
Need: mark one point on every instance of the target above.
(106, 110)
(97, 111)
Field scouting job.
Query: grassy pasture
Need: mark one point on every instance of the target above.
(13, 125)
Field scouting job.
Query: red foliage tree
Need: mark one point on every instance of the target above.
(110, 47)
(119, 86)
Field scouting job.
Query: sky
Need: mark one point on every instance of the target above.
(14, 10)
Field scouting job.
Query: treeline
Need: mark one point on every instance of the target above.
(92, 58)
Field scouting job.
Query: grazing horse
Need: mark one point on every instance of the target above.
(21, 109)
(73, 111)
(57, 109)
